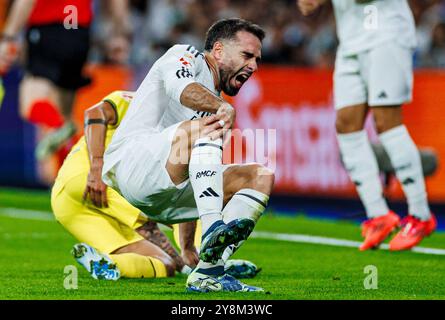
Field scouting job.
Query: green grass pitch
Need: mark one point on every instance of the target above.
(34, 253)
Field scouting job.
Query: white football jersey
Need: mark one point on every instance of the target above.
(156, 104)
(364, 24)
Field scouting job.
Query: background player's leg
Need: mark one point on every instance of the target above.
(359, 159)
(41, 103)
(405, 159)
(361, 165)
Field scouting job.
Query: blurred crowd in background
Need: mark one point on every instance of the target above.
(291, 38)
(155, 25)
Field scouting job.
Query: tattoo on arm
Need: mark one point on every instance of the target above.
(151, 232)
(197, 97)
(187, 234)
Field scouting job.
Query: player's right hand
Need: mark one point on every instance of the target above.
(8, 55)
(307, 6)
(227, 114)
(96, 189)
(216, 126)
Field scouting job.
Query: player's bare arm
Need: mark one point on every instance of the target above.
(151, 232)
(197, 97)
(19, 15)
(96, 120)
(187, 242)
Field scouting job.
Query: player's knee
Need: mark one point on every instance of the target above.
(344, 125)
(261, 178)
(383, 124)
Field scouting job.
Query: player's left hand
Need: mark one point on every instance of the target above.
(96, 189)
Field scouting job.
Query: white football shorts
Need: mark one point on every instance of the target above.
(382, 76)
(143, 180)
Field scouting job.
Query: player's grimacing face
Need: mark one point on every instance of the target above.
(239, 60)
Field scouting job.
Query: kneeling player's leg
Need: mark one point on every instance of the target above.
(196, 155)
(143, 259)
(134, 256)
(246, 192)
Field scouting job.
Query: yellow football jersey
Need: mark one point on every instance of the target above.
(77, 162)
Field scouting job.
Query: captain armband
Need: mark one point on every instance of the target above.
(95, 121)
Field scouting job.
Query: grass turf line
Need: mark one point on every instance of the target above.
(34, 254)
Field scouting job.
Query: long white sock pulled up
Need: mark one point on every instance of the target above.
(362, 167)
(406, 161)
(206, 177)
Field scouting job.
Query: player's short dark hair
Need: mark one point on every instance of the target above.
(226, 29)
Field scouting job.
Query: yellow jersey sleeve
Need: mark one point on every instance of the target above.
(120, 101)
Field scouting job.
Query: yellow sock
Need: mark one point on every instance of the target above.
(132, 265)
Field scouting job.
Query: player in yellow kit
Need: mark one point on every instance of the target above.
(112, 231)
(117, 239)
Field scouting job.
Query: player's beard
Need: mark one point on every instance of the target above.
(226, 76)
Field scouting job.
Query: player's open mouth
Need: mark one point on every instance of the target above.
(241, 79)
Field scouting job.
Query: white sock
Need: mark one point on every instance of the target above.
(206, 177)
(405, 159)
(246, 203)
(362, 167)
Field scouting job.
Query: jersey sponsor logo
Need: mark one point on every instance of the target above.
(184, 73)
(206, 173)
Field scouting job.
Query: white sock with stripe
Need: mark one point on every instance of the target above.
(362, 167)
(246, 203)
(206, 177)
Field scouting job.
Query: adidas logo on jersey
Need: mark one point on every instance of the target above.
(209, 193)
